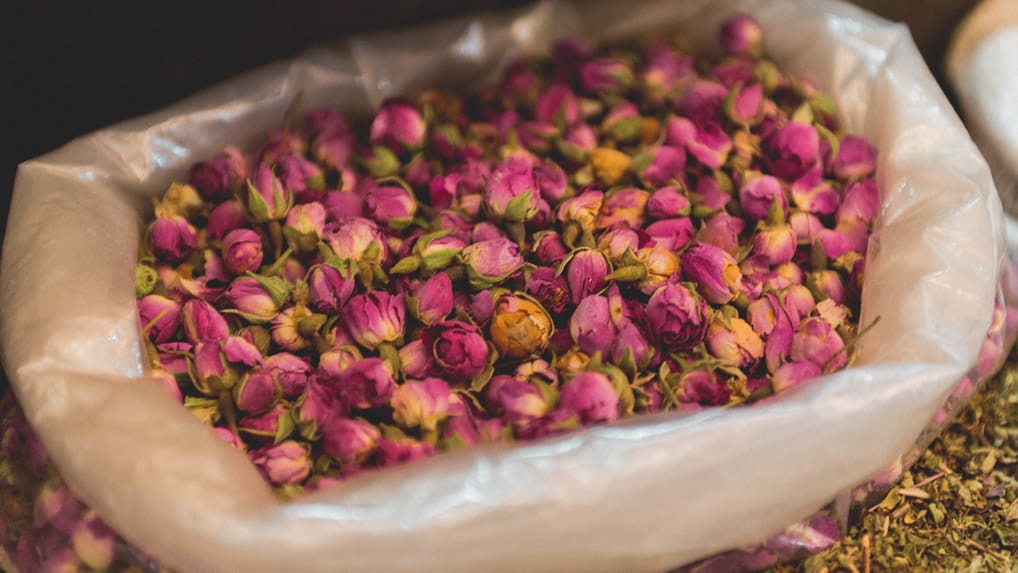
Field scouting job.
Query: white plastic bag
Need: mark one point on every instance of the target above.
(645, 494)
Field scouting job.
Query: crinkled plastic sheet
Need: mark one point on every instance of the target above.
(646, 494)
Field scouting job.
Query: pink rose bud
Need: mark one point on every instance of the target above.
(519, 84)
(856, 158)
(631, 344)
(491, 262)
(593, 325)
(667, 202)
(679, 131)
(374, 318)
(775, 245)
(257, 391)
(558, 105)
(605, 77)
(391, 452)
(791, 374)
(289, 371)
(256, 300)
(160, 316)
(334, 362)
(701, 387)
(272, 426)
(318, 406)
(512, 191)
(712, 194)
(349, 441)
(171, 238)
(171, 356)
(486, 231)
(814, 195)
(703, 102)
(625, 206)
(391, 205)
(826, 284)
(415, 360)
(549, 248)
(577, 143)
(366, 384)
(220, 176)
(758, 194)
(93, 542)
(722, 230)
(421, 404)
(242, 251)
(806, 226)
(860, 201)
(617, 240)
(715, 272)
(168, 382)
(551, 181)
(227, 216)
(660, 264)
(662, 70)
(798, 302)
(286, 463)
(551, 290)
(418, 173)
(208, 362)
(297, 174)
(818, 342)
(587, 273)
(329, 288)
(480, 306)
(331, 143)
(307, 220)
(343, 205)
(622, 123)
(671, 234)
(457, 349)
(741, 35)
(399, 126)
(229, 437)
(792, 150)
(281, 142)
(765, 314)
(745, 104)
(266, 198)
(431, 300)
(734, 342)
(582, 209)
(590, 396)
(711, 145)
(677, 318)
(203, 323)
(658, 166)
(357, 239)
(515, 399)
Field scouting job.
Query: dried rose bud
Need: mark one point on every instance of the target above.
(792, 150)
(415, 360)
(374, 318)
(798, 302)
(582, 209)
(631, 345)
(203, 323)
(702, 387)
(590, 396)
(256, 300)
(317, 406)
(489, 263)
(722, 230)
(605, 77)
(280, 142)
(391, 205)
(745, 104)
(609, 165)
(677, 317)
(242, 251)
(520, 326)
(363, 385)
(399, 126)
(266, 199)
(578, 143)
(297, 174)
(734, 342)
(622, 122)
(392, 452)
(659, 265)
(791, 374)
(421, 404)
(479, 305)
(624, 206)
(515, 399)
(349, 441)
(826, 284)
(171, 238)
(257, 391)
(856, 158)
(329, 288)
(715, 272)
(667, 202)
(227, 216)
(702, 102)
(617, 240)
(93, 542)
(331, 143)
(818, 342)
(549, 248)
(776, 244)
(765, 314)
(710, 146)
(342, 205)
(431, 300)
(806, 226)
(289, 371)
(358, 239)
(160, 316)
(512, 191)
(457, 349)
(552, 181)
(229, 437)
(285, 463)
(758, 194)
(671, 234)
(814, 195)
(659, 165)
(587, 273)
(662, 70)
(551, 290)
(486, 231)
(593, 325)
(741, 35)
(306, 223)
(220, 176)
(860, 202)
(557, 105)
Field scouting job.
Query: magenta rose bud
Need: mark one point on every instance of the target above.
(856, 158)
(272, 426)
(329, 288)
(710, 146)
(257, 391)
(734, 342)
(671, 234)
(253, 300)
(792, 150)
(297, 174)
(549, 248)
(791, 374)
(457, 349)
(657, 166)
(631, 341)
(485, 231)
(431, 300)
(227, 216)
(491, 262)
(741, 35)
(286, 463)
(220, 176)
(331, 143)
(515, 399)
(587, 273)
(702, 102)
(814, 195)
(722, 230)
(590, 396)
(715, 272)
(745, 104)
(667, 202)
(593, 325)
(860, 202)
(512, 191)
(826, 284)
(343, 205)
(818, 342)
(775, 245)
(266, 198)
(161, 316)
(399, 126)
(415, 360)
(390, 205)
(357, 239)
(366, 384)
(605, 77)
(550, 290)
(374, 318)
(758, 194)
(349, 441)
(242, 251)
(203, 323)
(171, 238)
(557, 105)
(334, 362)
(289, 371)
(677, 317)
(421, 404)
(701, 387)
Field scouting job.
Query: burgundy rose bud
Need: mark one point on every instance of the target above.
(431, 300)
(722, 230)
(860, 202)
(457, 349)
(227, 216)
(671, 234)
(617, 240)
(399, 126)
(239, 352)
(657, 166)
(357, 239)
(622, 122)
(758, 193)
(391, 205)
(479, 305)
(701, 387)
(220, 176)
(551, 290)
(286, 463)
(593, 325)
(297, 174)
(491, 262)
(702, 102)
(587, 273)
(257, 391)
(734, 342)
(366, 384)
(329, 288)
(741, 35)
(677, 317)
(582, 209)
(93, 542)
(856, 158)
(626, 206)
(171, 238)
(814, 195)
(590, 396)
(745, 104)
(433, 252)
(558, 105)
(289, 371)
(203, 323)
(512, 191)
(631, 344)
(791, 374)
(667, 202)
(818, 342)
(242, 251)
(349, 441)
(515, 399)
(792, 150)
(549, 248)
(255, 300)
(160, 317)
(715, 272)
(776, 244)
(374, 318)
(710, 146)
(415, 360)
(318, 406)
(266, 199)
(421, 404)
(605, 77)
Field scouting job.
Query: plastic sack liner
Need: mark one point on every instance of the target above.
(646, 494)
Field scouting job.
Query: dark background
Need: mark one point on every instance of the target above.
(71, 66)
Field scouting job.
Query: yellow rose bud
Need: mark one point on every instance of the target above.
(573, 361)
(609, 164)
(520, 327)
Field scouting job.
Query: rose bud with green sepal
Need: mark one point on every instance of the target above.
(171, 238)
(266, 199)
(350, 441)
(160, 318)
(399, 126)
(715, 272)
(285, 463)
(489, 263)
